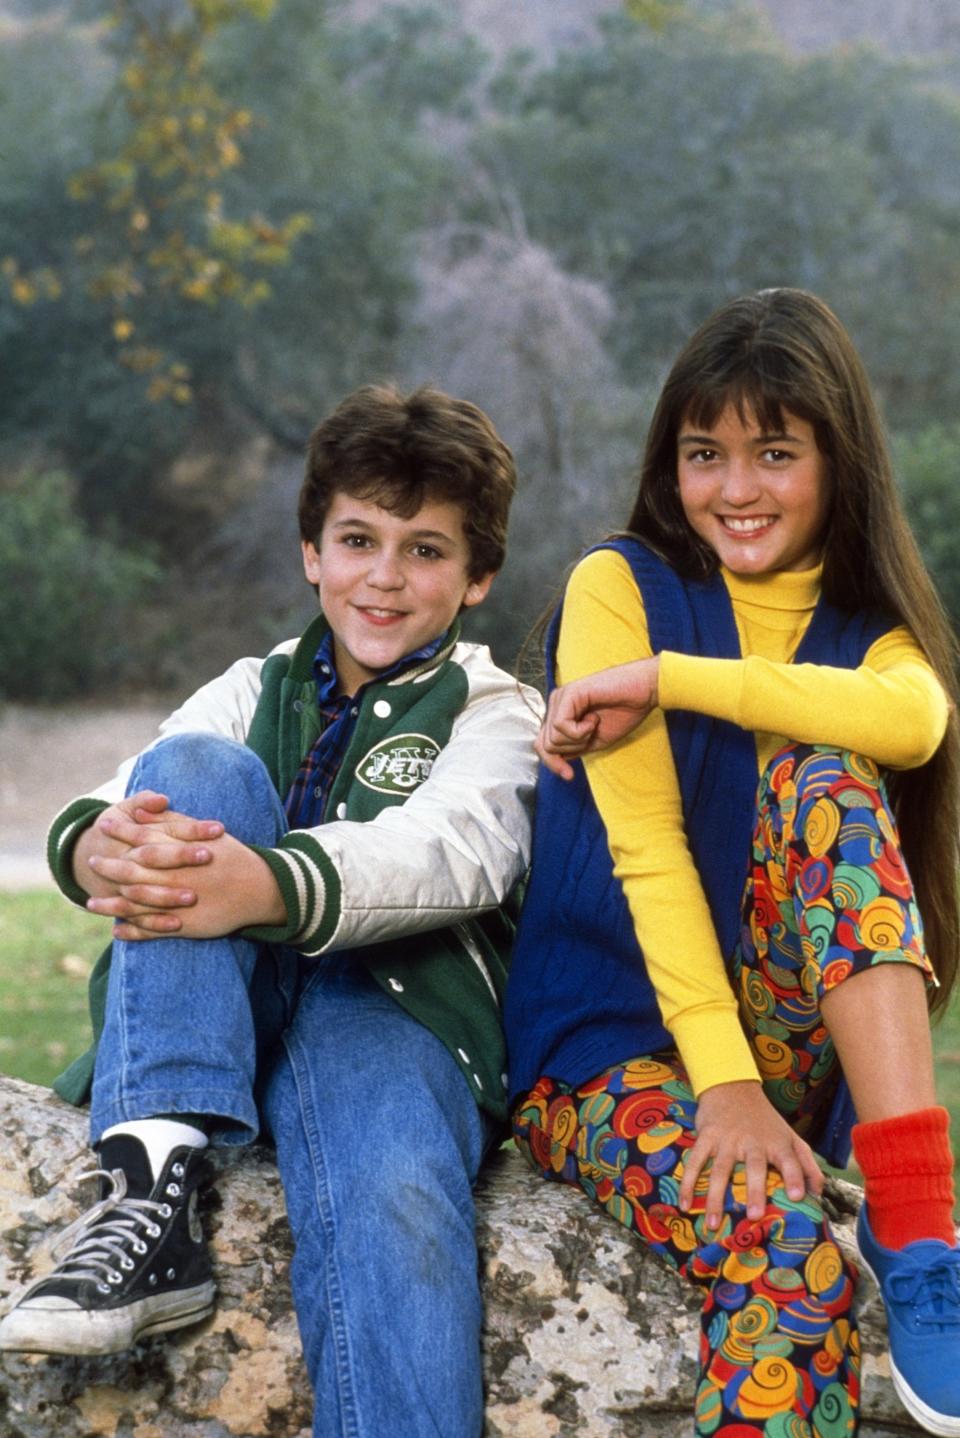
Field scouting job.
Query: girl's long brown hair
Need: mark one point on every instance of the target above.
(785, 350)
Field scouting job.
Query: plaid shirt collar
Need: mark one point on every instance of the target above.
(325, 670)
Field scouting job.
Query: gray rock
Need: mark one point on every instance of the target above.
(587, 1334)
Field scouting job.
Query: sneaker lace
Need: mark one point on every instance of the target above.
(97, 1245)
(932, 1290)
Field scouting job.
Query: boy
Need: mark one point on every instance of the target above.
(326, 969)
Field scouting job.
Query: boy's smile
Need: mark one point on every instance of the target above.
(389, 585)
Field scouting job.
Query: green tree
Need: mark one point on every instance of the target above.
(684, 165)
(927, 468)
(70, 600)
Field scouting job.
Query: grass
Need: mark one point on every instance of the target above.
(47, 949)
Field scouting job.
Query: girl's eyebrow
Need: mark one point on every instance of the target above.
(711, 440)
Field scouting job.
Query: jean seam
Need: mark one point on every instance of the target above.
(346, 1378)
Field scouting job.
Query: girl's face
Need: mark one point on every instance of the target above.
(759, 500)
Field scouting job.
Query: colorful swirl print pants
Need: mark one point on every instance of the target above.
(827, 896)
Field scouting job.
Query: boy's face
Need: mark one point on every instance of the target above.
(388, 585)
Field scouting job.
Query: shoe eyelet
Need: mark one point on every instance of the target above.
(178, 1170)
(152, 1280)
(103, 1288)
(139, 1246)
(173, 1189)
(127, 1264)
(165, 1211)
(154, 1231)
(115, 1278)
(171, 1273)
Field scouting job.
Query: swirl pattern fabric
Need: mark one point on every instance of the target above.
(828, 895)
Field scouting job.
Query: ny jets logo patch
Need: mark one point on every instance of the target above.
(398, 764)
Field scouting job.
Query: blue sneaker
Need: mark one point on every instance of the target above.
(920, 1286)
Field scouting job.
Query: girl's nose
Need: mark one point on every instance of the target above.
(740, 483)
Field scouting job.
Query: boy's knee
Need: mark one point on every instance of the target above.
(212, 777)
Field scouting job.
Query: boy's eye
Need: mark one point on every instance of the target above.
(355, 541)
(426, 551)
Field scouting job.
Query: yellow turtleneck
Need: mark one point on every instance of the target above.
(892, 708)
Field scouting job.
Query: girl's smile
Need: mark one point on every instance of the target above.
(760, 500)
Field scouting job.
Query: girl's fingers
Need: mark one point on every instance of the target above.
(692, 1167)
(720, 1174)
(756, 1176)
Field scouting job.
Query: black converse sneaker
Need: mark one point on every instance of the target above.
(135, 1264)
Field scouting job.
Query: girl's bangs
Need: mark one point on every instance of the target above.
(762, 398)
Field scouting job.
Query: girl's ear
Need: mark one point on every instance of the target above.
(477, 590)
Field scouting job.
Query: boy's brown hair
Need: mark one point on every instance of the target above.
(402, 450)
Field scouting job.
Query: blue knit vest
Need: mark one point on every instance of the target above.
(579, 999)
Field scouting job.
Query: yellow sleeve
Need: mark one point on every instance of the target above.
(892, 708)
(634, 785)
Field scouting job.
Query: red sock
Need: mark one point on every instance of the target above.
(907, 1166)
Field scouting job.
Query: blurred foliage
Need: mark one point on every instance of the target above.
(156, 224)
(219, 216)
(927, 464)
(69, 601)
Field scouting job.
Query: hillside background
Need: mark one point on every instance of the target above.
(218, 216)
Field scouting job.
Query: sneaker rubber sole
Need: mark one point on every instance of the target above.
(79, 1331)
(928, 1418)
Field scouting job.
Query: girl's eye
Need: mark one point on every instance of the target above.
(777, 456)
(700, 456)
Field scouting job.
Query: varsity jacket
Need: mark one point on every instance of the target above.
(426, 835)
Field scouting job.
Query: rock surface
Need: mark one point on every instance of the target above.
(587, 1335)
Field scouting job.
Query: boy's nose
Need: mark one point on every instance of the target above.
(385, 572)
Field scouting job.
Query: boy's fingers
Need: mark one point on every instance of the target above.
(125, 910)
(181, 826)
(147, 898)
(166, 856)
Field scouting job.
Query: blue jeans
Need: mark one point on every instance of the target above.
(378, 1137)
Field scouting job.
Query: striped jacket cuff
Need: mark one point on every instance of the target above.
(65, 830)
(310, 887)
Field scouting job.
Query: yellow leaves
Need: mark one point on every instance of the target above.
(655, 13)
(157, 232)
(28, 287)
(141, 359)
(167, 386)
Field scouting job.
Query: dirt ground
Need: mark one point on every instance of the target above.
(49, 756)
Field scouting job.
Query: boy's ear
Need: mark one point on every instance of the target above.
(478, 589)
(311, 561)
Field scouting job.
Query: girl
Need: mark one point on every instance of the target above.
(712, 980)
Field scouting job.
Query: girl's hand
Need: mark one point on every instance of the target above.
(595, 712)
(736, 1123)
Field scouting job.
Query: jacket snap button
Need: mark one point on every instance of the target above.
(341, 810)
(382, 709)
